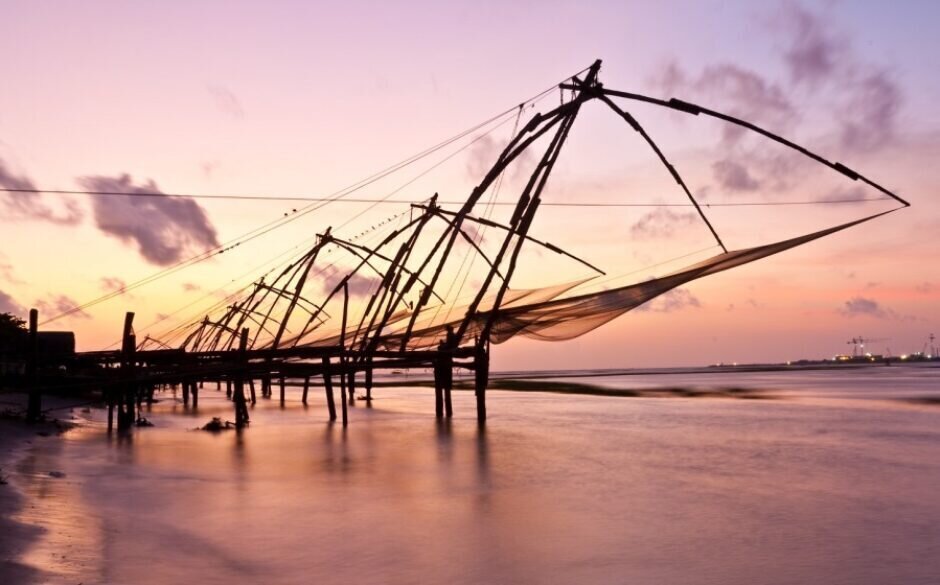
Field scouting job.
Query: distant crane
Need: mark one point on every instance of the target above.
(858, 344)
(929, 344)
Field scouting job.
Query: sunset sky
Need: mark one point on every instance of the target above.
(305, 98)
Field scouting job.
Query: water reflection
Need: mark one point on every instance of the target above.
(575, 490)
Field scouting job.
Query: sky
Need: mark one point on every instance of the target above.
(304, 98)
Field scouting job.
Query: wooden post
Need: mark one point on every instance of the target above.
(196, 387)
(109, 394)
(438, 388)
(352, 387)
(369, 380)
(241, 409)
(251, 385)
(282, 390)
(342, 357)
(228, 388)
(342, 397)
(34, 405)
(448, 385)
(481, 373)
(306, 388)
(126, 406)
(185, 392)
(328, 386)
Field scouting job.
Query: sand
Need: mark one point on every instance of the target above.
(16, 438)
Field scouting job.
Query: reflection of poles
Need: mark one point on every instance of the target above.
(241, 407)
(34, 406)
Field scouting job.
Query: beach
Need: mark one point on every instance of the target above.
(830, 477)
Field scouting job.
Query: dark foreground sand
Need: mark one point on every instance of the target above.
(16, 438)
(15, 538)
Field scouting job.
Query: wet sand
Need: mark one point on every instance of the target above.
(21, 523)
(15, 538)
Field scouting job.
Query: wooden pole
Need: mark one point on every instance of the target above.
(369, 380)
(352, 386)
(328, 387)
(342, 342)
(438, 387)
(282, 390)
(241, 409)
(306, 388)
(481, 375)
(448, 384)
(34, 404)
(126, 411)
(251, 385)
(196, 387)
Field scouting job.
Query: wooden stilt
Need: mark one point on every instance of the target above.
(241, 409)
(342, 397)
(185, 392)
(352, 387)
(342, 357)
(251, 385)
(328, 386)
(306, 388)
(438, 390)
(110, 394)
(448, 404)
(481, 374)
(127, 402)
(228, 388)
(369, 381)
(282, 390)
(196, 388)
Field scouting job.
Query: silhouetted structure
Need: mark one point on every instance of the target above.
(298, 331)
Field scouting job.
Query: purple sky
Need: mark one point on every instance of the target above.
(286, 98)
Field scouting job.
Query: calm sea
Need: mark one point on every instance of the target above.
(832, 479)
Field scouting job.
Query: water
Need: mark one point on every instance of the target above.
(833, 482)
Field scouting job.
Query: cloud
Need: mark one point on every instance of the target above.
(17, 206)
(866, 307)
(483, 155)
(9, 305)
(741, 92)
(863, 99)
(813, 52)
(55, 305)
(734, 176)
(113, 284)
(674, 300)
(226, 101)
(164, 229)
(191, 287)
(358, 285)
(869, 117)
(7, 272)
(662, 222)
